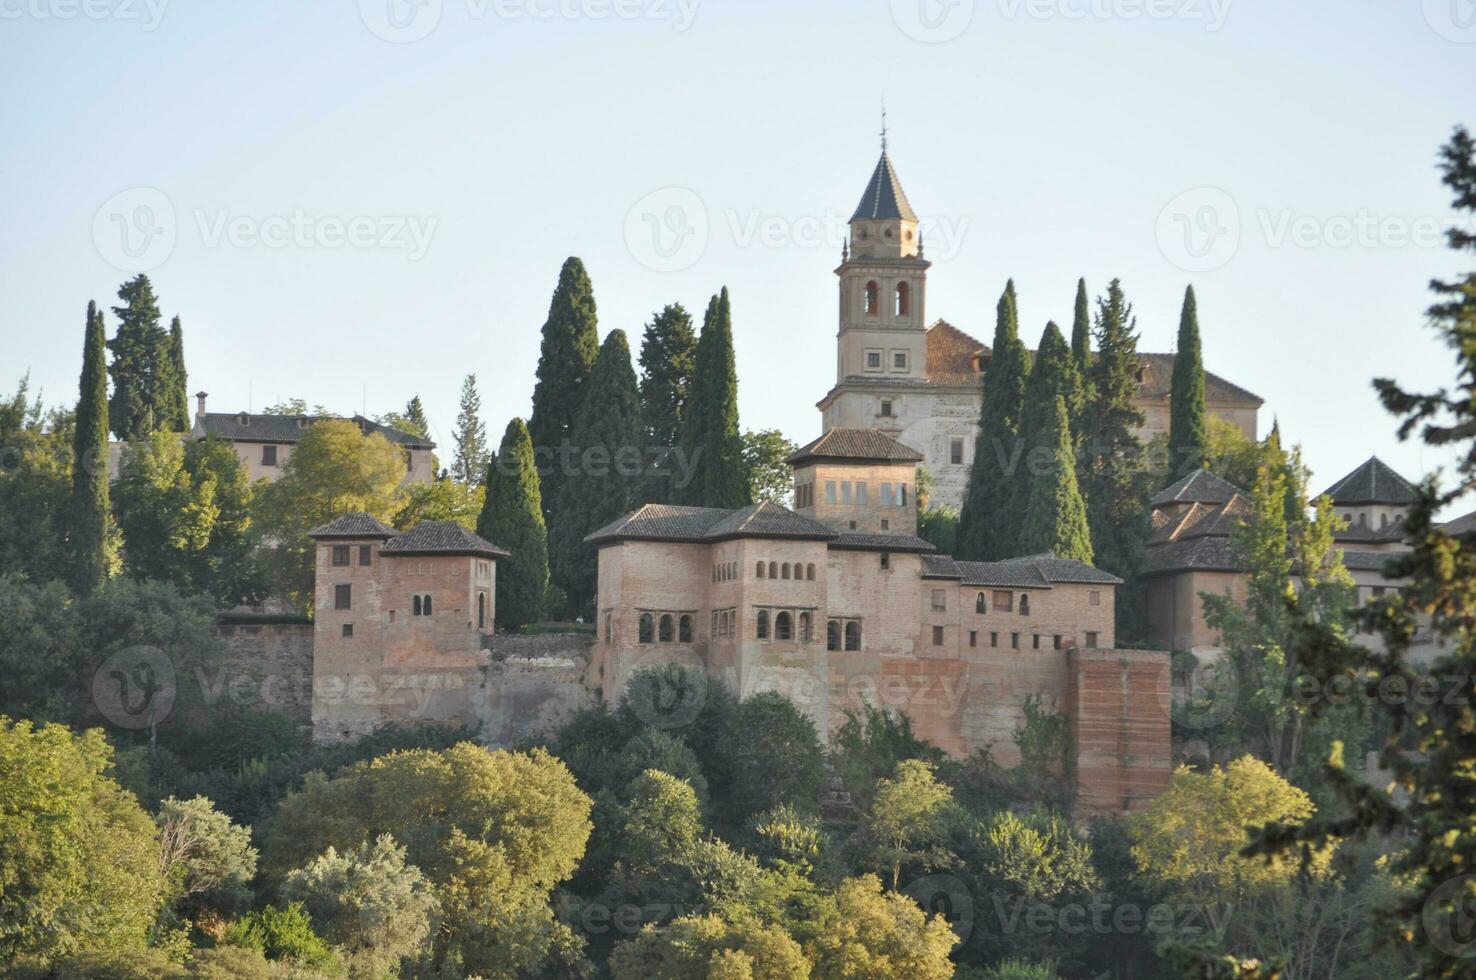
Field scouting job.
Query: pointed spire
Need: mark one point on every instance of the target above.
(884, 198)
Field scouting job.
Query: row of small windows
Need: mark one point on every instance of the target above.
(725, 572)
(1057, 641)
(838, 631)
(342, 554)
(796, 571)
(784, 626)
(901, 299)
(874, 360)
(666, 629)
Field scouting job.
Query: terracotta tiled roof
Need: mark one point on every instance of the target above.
(867, 444)
(1461, 525)
(665, 522)
(1201, 486)
(856, 541)
(1196, 540)
(1372, 483)
(441, 538)
(245, 427)
(950, 354)
(353, 526)
(1363, 534)
(767, 520)
(1195, 554)
(1367, 561)
(1031, 571)
(883, 198)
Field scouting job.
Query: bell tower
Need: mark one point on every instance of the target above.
(883, 285)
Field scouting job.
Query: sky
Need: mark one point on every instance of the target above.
(358, 201)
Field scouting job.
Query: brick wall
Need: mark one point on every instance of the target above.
(1118, 707)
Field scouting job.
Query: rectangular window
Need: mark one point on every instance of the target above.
(365, 553)
(845, 492)
(343, 596)
(886, 494)
(886, 524)
(861, 495)
(901, 495)
(886, 559)
(340, 555)
(1056, 642)
(1091, 641)
(348, 631)
(955, 450)
(1035, 641)
(609, 628)
(1095, 598)
(268, 455)
(937, 636)
(1014, 641)
(940, 600)
(873, 360)
(973, 638)
(830, 491)
(994, 639)
(899, 360)
(1004, 601)
(886, 408)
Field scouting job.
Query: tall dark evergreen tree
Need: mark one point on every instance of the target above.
(983, 534)
(571, 342)
(469, 464)
(141, 363)
(607, 483)
(1081, 353)
(1188, 432)
(1116, 484)
(1052, 375)
(512, 518)
(89, 511)
(668, 358)
(174, 390)
(1054, 518)
(710, 440)
(415, 415)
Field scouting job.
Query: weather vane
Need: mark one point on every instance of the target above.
(884, 124)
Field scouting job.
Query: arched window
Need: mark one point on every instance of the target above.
(425, 606)
(763, 624)
(727, 627)
(805, 633)
(873, 297)
(481, 610)
(684, 629)
(979, 605)
(647, 628)
(415, 605)
(784, 570)
(783, 627)
(832, 635)
(759, 570)
(904, 298)
(665, 634)
(810, 571)
(773, 569)
(1024, 604)
(853, 636)
(734, 566)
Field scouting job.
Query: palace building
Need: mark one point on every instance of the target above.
(921, 382)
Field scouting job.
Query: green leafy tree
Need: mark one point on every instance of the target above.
(295, 407)
(607, 483)
(512, 518)
(984, 532)
(36, 485)
(41, 651)
(710, 440)
(668, 360)
(1188, 435)
(862, 931)
(767, 754)
(707, 947)
(566, 360)
(208, 860)
(938, 526)
(79, 858)
(1055, 516)
(469, 464)
(905, 822)
(765, 456)
(141, 369)
(281, 934)
(335, 470)
(369, 902)
(442, 500)
(89, 516)
(1231, 454)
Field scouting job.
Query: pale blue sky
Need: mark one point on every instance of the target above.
(1044, 141)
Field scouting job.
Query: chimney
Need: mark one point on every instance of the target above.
(200, 397)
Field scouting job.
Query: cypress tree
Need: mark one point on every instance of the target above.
(1081, 354)
(469, 464)
(1052, 375)
(668, 357)
(571, 342)
(1188, 432)
(1055, 518)
(512, 518)
(89, 511)
(982, 531)
(607, 484)
(140, 351)
(174, 388)
(710, 440)
(415, 415)
(1116, 484)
